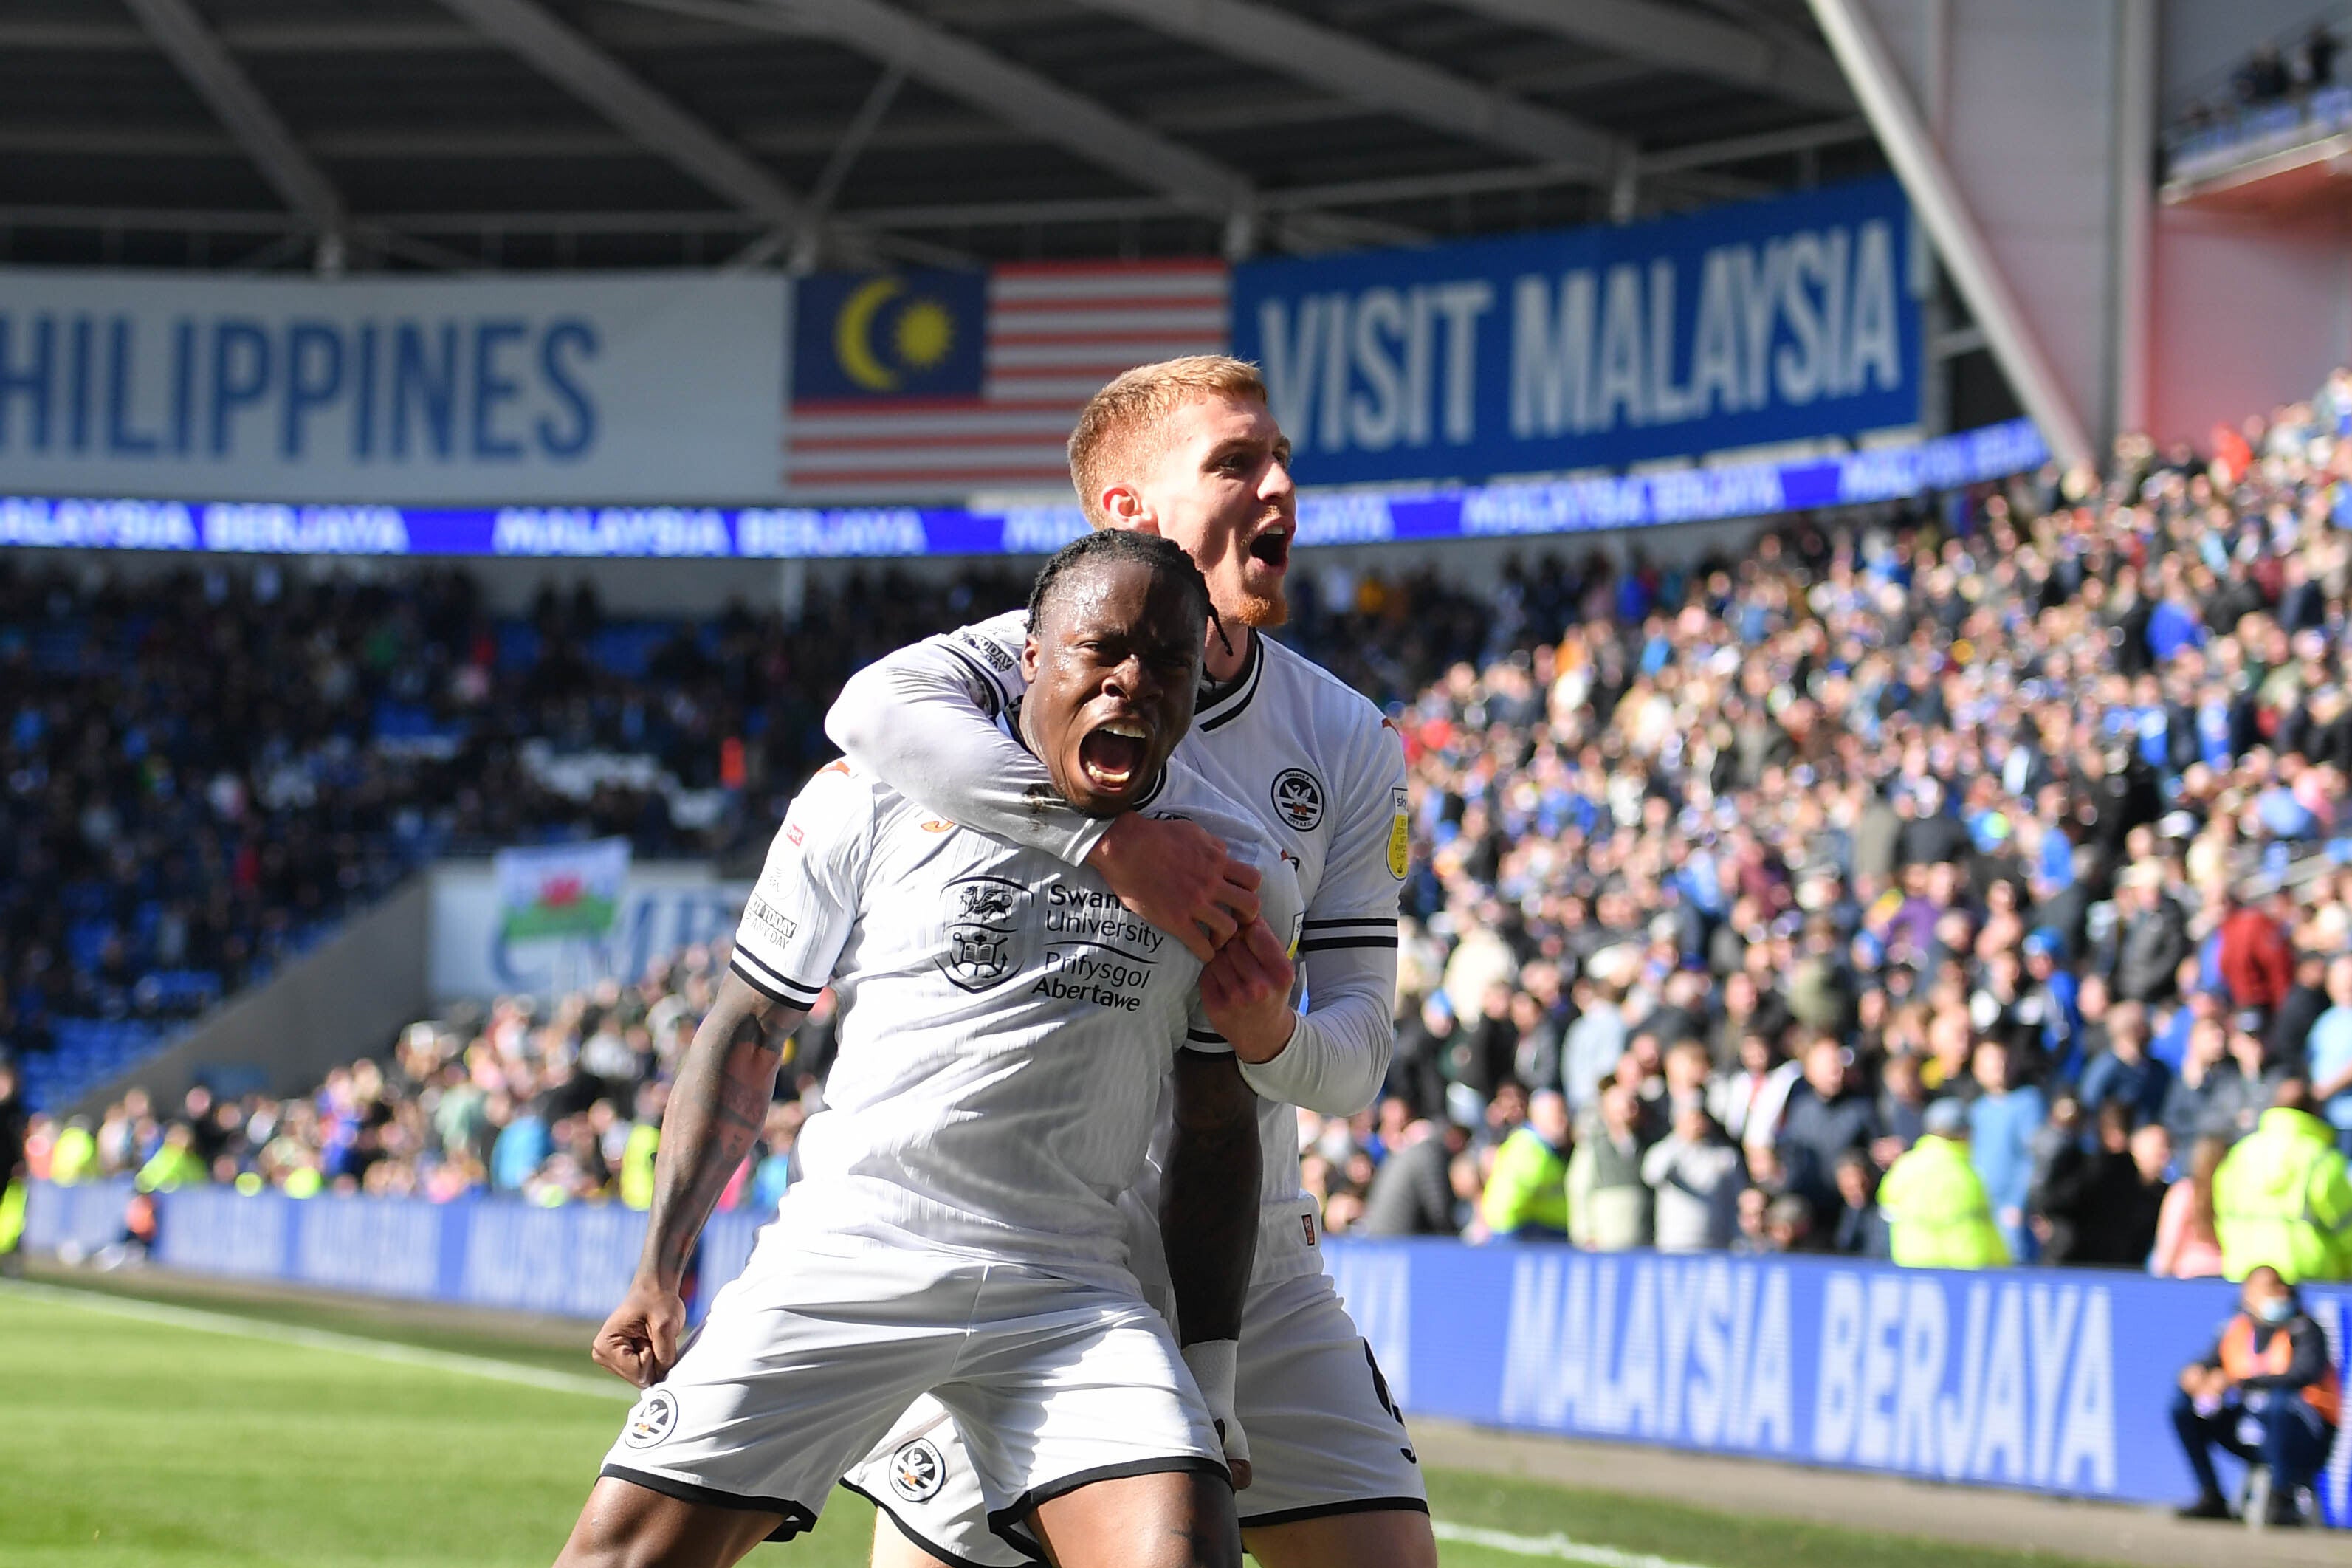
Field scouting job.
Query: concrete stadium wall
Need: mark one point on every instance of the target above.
(345, 999)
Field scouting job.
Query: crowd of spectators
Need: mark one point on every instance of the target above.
(549, 1105)
(1997, 856)
(2020, 834)
(201, 771)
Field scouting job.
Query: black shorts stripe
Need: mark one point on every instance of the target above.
(1329, 1510)
(764, 978)
(953, 1559)
(987, 680)
(797, 1517)
(1004, 1521)
(1369, 922)
(1206, 1037)
(1326, 944)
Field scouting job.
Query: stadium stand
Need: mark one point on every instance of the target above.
(2037, 805)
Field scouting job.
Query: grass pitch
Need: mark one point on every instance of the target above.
(253, 1433)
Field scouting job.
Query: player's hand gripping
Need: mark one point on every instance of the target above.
(639, 1340)
(1178, 876)
(1245, 990)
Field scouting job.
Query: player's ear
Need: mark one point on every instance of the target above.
(1029, 655)
(1124, 505)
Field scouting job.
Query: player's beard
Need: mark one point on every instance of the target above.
(1262, 610)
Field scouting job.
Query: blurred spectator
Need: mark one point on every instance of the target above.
(1696, 1174)
(2330, 1054)
(1861, 1228)
(2123, 1074)
(2187, 1244)
(2003, 1120)
(1527, 1196)
(1414, 1192)
(1937, 1216)
(1607, 1203)
(2283, 1197)
(1827, 1114)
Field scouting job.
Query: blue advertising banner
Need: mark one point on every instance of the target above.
(777, 533)
(610, 387)
(2047, 1380)
(1774, 320)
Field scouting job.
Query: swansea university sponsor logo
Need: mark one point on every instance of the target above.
(983, 917)
(1096, 950)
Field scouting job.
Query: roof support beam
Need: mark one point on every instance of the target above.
(221, 82)
(1013, 93)
(1678, 39)
(1959, 242)
(1380, 78)
(610, 88)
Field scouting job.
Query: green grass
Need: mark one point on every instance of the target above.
(155, 1446)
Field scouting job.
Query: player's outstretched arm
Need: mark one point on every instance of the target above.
(923, 720)
(716, 1111)
(1208, 1220)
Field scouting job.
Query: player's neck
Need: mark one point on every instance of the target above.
(1226, 664)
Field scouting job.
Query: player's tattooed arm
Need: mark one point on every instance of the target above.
(1208, 1196)
(716, 1111)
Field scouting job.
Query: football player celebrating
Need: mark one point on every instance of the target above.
(1008, 1032)
(1188, 450)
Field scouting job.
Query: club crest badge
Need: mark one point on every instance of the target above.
(655, 1419)
(1298, 799)
(917, 1470)
(983, 918)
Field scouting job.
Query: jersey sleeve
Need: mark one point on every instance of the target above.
(1338, 1057)
(809, 892)
(923, 720)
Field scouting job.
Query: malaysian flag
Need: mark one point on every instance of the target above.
(921, 386)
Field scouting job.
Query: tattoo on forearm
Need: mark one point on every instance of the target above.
(717, 1108)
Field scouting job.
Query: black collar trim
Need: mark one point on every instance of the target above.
(1236, 699)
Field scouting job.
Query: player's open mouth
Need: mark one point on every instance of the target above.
(1272, 548)
(1111, 756)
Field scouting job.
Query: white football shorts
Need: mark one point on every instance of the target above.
(807, 1360)
(1325, 1436)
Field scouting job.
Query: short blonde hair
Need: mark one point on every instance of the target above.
(1112, 426)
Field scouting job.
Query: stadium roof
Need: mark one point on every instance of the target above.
(523, 133)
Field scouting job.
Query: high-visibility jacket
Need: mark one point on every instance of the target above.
(2284, 1197)
(1528, 1188)
(74, 1157)
(637, 1166)
(2244, 1352)
(1937, 1213)
(169, 1167)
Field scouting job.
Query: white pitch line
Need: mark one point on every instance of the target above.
(1558, 1547)
(322, 1340)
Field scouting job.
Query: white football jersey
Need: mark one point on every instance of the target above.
(1322, 771)
(1006, 1026)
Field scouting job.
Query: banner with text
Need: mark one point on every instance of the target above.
(2045, 1379)
(616, 387)
(1769, 321)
